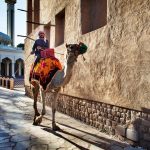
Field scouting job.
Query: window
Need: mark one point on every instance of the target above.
(36, 12)
(29, 17)
(93, 14)
(59, 30)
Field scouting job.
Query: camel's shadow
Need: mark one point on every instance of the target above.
(49, 129)
(104, 143)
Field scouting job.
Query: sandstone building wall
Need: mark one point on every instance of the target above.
(116, 71)
(117, 66)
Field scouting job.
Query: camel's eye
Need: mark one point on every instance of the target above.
(71, 46)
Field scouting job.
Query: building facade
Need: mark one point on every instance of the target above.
(11, 58)
(112, 86)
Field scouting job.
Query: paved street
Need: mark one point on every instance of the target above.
(18, 133)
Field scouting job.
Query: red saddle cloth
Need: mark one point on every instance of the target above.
(45, 68)
(47, 53)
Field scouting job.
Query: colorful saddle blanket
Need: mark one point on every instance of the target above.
(44, 70)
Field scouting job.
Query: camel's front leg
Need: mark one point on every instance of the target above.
(54, 106)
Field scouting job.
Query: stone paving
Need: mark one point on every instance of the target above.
(18, 133)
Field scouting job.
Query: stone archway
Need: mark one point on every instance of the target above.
(6, 67)
(19, 68)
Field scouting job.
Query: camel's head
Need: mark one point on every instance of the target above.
(76, 49)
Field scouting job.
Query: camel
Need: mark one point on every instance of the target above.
(59, 80)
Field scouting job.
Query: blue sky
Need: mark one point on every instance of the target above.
(20, 19)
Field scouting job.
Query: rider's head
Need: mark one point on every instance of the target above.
(41, 34)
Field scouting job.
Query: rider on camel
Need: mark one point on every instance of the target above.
(45, 64)
(39, 45)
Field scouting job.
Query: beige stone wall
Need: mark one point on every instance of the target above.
(117, 66)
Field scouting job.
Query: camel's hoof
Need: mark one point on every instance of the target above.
(38, 120)
(56, 128)
(43, 113)
(37, 114)
(35, 123)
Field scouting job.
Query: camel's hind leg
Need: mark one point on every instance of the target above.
(43, 95)
(35, 91)
(54, 106)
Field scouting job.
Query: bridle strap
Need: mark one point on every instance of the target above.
(72, 61)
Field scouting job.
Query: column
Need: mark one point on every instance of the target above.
(12, 69)
(10, 19)
(0, 68)
(52, 38)
(7, 68)
(19, 68)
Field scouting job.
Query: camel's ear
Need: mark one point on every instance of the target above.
(66, 45)
(80, 43)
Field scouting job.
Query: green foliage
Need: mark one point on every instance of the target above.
(21, 45)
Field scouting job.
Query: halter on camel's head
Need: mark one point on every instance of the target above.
(74, 50)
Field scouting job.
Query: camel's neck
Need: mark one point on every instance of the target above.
(68, 67)
(62, 77)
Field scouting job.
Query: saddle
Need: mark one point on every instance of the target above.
(47, 53)
(45, 68)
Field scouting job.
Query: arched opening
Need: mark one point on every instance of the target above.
(6, 67)
(19, 68)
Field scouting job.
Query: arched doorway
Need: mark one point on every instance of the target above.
(6, 67)
(19, 68)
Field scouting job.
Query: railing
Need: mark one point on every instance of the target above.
(7, 83)
(18, 83)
